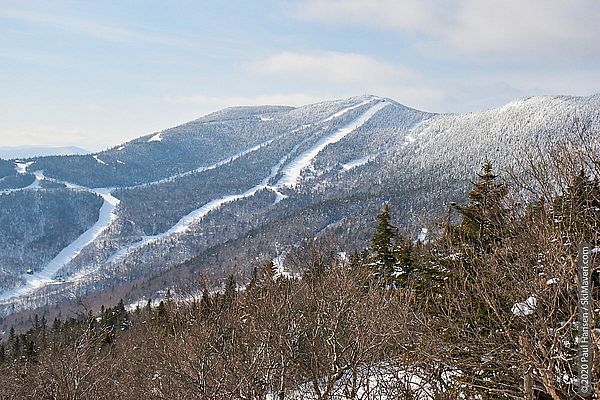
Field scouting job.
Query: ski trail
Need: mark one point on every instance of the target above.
(46, 275)
(107, 215)
(291, 173)
(195, 216)
(209, 167)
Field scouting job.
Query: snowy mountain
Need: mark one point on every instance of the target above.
(245, 182)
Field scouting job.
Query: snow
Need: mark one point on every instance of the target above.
(356, 163)
(291, 173)
(187, 221)
(107, 214)
(278, 195)
(98, 160)
(264, 119)
(156, 138)
(34, 185)
(552, 281)
(225, 161)
(525, 308)
(120, 148)
(422, 235)
(21, 166)
(46, 275)
(345, 110)
(194, 217)
(120, 162)
(382, 382)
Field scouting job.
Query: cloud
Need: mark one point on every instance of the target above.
(330, 67)
(87, 27)
(516, 28)
(340, 74)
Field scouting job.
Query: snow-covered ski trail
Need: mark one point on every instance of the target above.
(291, 173)
(46, 275)
(195, 216)
(107, 215)
(198, 170)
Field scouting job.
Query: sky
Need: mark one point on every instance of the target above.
(97, 73)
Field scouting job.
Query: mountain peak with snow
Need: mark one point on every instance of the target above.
(254, 177)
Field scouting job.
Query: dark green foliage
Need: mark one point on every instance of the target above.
(382, 247)
(229, 293)
(484, 217)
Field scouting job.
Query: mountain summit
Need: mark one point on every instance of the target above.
(254, 179)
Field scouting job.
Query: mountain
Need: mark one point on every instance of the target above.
(14, 152)
(250, 183)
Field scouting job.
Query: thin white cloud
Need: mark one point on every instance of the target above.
(529, 29)
(86, 27)
(346, 74)
(330, 67)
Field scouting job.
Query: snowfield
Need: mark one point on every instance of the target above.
(155, 138)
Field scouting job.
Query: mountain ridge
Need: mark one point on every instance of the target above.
(227, 176)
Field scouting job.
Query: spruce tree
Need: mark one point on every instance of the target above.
(230, 292)
(205, 305)
(485, 215)
(382, 247)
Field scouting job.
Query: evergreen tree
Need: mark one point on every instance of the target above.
(485, 215)
(205, 305)
(405, 270)
(382, 247)
(230, 292)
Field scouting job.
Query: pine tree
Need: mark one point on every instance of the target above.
(230, 292)
(485, 215)
(405, 270)
(382, 247)
(205, 305)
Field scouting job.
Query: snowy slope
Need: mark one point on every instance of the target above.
(280, 174)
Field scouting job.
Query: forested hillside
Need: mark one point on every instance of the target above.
(486, 309)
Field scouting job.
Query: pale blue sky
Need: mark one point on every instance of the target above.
(97, 73)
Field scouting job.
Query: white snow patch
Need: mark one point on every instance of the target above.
(291, 173)
(552, 281)
(120, 162)
(422, 236)
(21, 166)
(356, 163)
(525, 308)
(98, 160)
(265, 119)
(120, 148)
(278, 195)
(156, 138)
